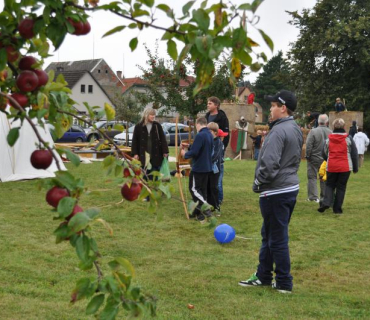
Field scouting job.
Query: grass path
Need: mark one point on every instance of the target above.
(181, 263)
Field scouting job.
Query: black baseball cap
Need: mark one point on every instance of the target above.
(284, 97)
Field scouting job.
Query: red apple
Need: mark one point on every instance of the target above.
(41, 159)
(20, 98)
(131, 193)
(42, 76)
(76, 210)
(126, 172)
(25, 28)
(138, 172)
(12, 54)
(27, 81)
(78, 25)
(26, 63)
(55, 194)
(86, 28)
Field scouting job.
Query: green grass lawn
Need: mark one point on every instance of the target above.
(180, 262)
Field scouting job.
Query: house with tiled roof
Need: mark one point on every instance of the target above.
(91, 81)
(138, 85)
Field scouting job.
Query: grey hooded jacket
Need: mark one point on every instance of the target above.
(315, 143)
(279, 158)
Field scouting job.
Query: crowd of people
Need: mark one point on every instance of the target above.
(331, 155)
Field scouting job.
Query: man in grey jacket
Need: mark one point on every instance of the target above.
(314, 147)
(277, 182)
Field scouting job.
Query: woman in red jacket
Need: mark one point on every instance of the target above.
(340, 152)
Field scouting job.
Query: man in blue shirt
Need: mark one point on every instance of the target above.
(201, 155)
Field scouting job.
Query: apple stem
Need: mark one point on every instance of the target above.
(19, 107)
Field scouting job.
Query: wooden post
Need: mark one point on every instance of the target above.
(178, 172)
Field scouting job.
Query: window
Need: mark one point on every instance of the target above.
(59, 69)
(106, 71)
(98, 70)
(90, 88)
(76, 129)
(82, 88)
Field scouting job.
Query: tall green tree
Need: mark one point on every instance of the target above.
(274, 77)
(331, 57)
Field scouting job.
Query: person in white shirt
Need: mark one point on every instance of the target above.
(362, 141)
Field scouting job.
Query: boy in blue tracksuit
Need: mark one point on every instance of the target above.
(201, 155)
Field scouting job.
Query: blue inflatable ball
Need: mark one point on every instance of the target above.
(224, 233)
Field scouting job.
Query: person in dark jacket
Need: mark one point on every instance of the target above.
(149, 142)
(276, 179)
(257, 140)
(215, 114)
(218, 147)
(353, 129)
(341, 157)
(201, 154)
(339, 105)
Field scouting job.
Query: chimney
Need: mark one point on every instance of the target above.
(119, 74)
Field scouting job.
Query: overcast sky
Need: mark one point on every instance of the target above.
(116, 52)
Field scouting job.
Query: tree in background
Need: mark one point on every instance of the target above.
(172, 89)
(274, 77)
(331, 57)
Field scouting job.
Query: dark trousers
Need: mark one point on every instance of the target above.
(212, 192)
(198, 183)
(335, 190)
(276, 212)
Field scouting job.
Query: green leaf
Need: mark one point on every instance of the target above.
(149, 3)
(109, 111)
(256, 4)
(92, 212)
(56, 33)
(83, 248)
(74, 158)
(110, 311)
(124, 263)
(66, 179)
(79, 222)
(172, 49)
(186, 7)
(3, 58)
(81, 289)
(65, 206)
(245, 58)
(164, 8)
(267, 39)
(13, 136)
(114, 30)
(165, 190)
(202, 19)
(133, 44)
(108, 161)
(95, 304)
(245, 6)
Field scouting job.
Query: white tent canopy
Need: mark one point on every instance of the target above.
(15, 161)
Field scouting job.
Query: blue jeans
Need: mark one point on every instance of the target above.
(220, 187)
(256, 153)
(276, 212)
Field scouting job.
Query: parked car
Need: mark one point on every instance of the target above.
(183, 132)
(120, 139)
(107, 127)
(74, 134)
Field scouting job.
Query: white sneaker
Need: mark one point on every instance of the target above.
(315, 200)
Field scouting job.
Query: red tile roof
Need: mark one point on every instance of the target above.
(129, 82)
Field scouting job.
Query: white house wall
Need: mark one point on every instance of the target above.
(97, 98)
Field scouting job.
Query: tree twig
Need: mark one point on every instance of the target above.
(100, 273)
(128, 18)
(18, 107)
